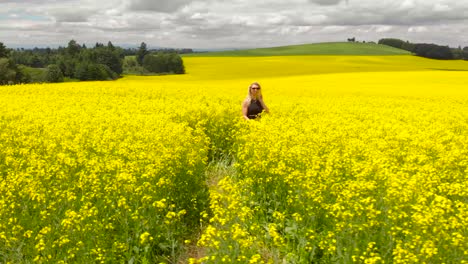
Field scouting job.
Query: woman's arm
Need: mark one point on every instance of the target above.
(245, 107)
(265, 108)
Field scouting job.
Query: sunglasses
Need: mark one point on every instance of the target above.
(255, 88)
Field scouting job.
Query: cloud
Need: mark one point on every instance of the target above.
(221, 23)
(440, 7)
(381, 29)
(71, 15)
(407, 4)
(165, 6)
(333, 29)
(407, 12)
(27, 2)
(326, 2)
(131, 23)
(418, 29)
(25, 25)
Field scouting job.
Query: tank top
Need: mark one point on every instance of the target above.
(254, 109)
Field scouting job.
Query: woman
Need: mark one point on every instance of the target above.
(253, 104)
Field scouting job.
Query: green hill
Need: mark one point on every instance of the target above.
(330, 48)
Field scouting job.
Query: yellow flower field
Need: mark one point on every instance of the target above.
(363, 159)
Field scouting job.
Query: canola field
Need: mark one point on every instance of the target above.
(363, 159)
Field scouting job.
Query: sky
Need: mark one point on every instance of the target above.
(222, 24)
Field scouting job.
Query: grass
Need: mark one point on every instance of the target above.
(37, 75)
(215, 171)
(329, 48)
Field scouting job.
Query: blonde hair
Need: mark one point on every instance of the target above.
(250, 97)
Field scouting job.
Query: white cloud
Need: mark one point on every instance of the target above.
(418, 29)
(197, 16)
(439, 7)
(381, 29)
(407, 4)
(333, 29)
(276, 19)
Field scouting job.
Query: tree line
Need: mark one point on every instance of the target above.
(426, 50)
(147, 61)
(78, 62)
(133, 51)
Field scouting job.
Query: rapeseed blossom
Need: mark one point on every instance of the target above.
(350, 166)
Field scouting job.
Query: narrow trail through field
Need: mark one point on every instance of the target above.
(215, 171)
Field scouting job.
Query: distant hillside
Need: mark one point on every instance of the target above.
(330, 48)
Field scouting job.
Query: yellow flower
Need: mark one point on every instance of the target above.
(145, 238)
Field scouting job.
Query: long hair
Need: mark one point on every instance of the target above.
(250, 97)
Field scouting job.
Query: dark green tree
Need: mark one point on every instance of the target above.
(176, 65)
(98, 72)
(396, 43)
(23, 75)
(67, 65)
(141, 53)
(54, 74)
(3, 51)
(86, 71)
(7, 71)
(457, 53)
(110, 46)
(73, 48)
(164, 63)
(153, 64)
(81, 71)
(433, 51)
(465, 53)
(36, 61)
(408, 46)
(109, 57)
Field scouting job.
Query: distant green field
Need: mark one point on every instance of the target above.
(36, 74)
(330, 48)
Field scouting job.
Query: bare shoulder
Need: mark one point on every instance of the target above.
(245, 102)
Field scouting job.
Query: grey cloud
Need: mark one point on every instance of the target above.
(378, 18)
(73, 11)
(26, 26)
(72, 14)
(386, 14)
(165, 6)
(369, 12)
(132, 23)
(326, 2)
(209, 23)
(26, 2)
(215, 27)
